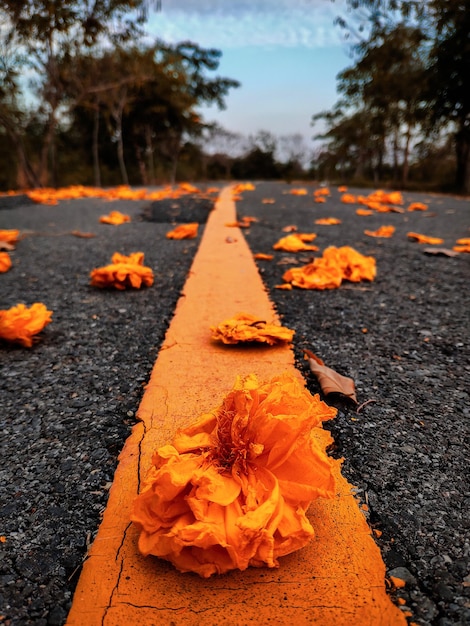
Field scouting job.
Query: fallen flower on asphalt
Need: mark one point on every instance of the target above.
(244, 327)
(323, 191)
(417, 206)
(284, 286)
(342, 189)
(231, 491)
(184, 231)
(329, 270)
(5, 262)
(291, 228)
(296, 242)
(115, 218)
(9, 237)
(261, 256)
(462, 245)
(425, 239)
(327, 221)
(348, 198)
(383, 231)
(329, 380)
(364, 212)
(268, 201)
(123, 272)
(21, 324)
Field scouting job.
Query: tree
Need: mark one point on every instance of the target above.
(49, 32)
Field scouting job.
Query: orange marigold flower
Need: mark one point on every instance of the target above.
(417, 206)
(295, 242)
(327, 221)
(425, 239)
(244, 327)
(329, 270)
(123, 272)
(20, 324)
(116, 218)
(383, 231)
(5, 262)
(184, 231)
(323, 191)
(462, 248)
(348, 198)
(342, 189)
(232, 490)
(9, 236)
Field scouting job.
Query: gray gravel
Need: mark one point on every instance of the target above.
(68, 404)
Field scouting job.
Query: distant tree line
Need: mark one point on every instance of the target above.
(81, 101)
(86, 98)
(404, 112)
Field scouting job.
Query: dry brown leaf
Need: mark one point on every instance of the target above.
(440, 251)
(83, 235)
(329, 380)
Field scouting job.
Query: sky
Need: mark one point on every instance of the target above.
(285, 53)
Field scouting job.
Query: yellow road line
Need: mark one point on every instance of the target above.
(338, 579)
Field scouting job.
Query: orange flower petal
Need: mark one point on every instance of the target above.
(383, 231)
(327, 221)
(184, 231)
(5, 262)
(115, 218)
(295, 242)
(425, 239)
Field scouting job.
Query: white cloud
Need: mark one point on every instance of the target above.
(226, 24)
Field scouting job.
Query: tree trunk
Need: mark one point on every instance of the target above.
(462, 148)
(95, 147)
(406, 153)
(150, 159)
(120, 149)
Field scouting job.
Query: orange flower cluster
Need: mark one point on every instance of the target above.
(123, 272)
(329, 270)
(378, 200)
(327, 221)
(425, 239)
(463, 245)
(115, 218)
(20, 324)
(232, 489)
(184, 231)
(383, 231)
(245, 328)
(297, 242)
(5, 262)
(122, 192)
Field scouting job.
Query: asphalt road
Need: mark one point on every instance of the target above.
(69, 402)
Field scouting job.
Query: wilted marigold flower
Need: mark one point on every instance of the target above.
(9, 236)
(425, 239)
(5, 262)
(184, 231)
(232, 490)
(20, 324)
(123, 272)
(244, 327)
(327, 221)
(383, 231)
(295, 242)
(115, 218)
(329, 270)
(417, 206)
